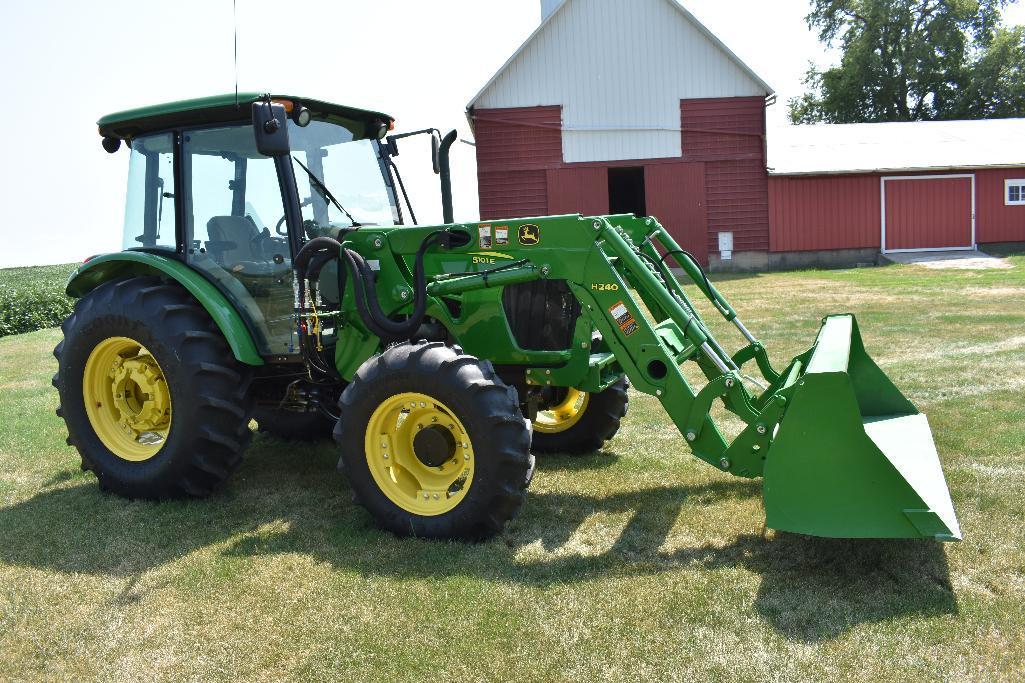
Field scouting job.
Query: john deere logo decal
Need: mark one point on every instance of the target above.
(529, 235)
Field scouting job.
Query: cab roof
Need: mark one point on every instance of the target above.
(130, 123)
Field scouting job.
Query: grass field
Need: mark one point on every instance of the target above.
(636, 563)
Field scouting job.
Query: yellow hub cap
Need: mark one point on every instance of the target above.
(563, 416)
(127, 399)
(419, 454)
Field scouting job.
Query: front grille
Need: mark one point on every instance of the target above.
(541, 314)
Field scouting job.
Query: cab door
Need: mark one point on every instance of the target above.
(235, 233)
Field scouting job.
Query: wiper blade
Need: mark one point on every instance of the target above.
(322, 188)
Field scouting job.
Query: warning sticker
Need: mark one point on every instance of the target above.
(623, 318)
(484, 233)
(502, 235)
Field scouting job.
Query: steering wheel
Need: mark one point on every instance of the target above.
(281, 221)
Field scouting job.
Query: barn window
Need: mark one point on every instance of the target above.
(1014, 191)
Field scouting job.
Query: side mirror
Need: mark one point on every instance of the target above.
(436, 151)
(269, 126)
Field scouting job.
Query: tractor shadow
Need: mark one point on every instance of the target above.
(810, 589)
(564, 462)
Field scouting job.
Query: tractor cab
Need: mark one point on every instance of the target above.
(200, 191)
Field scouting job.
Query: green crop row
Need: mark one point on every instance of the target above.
(33, 298)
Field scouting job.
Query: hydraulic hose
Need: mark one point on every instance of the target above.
(319, 251)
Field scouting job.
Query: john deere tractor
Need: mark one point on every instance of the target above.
(270, 272)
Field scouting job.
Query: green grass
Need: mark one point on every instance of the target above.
(33, 298)
(636, 563)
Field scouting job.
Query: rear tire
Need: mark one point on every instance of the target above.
(587, 429)
(172, 420)
(433, 443)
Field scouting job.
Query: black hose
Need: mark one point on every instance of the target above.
(399, 330)
(319, 251)
(712, 294)
(658, 265)
(310, 249)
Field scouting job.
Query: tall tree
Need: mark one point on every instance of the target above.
(914, 60)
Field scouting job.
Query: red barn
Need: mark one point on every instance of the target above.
(614, 107)
(636, 107)
(846, 193)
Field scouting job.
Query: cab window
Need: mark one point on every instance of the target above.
(149, 205)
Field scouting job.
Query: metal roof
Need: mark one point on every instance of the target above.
(676, 5)
(885, 147)
(215, 108)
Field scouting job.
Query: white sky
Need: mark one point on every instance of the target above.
(66, 63)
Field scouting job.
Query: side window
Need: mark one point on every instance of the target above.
(234, 206)
(1014, 192)
(149, 205)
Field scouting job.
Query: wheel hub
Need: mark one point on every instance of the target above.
(419, 453)
(434, 445)
(139, 393)
(127, 399)
(564, 414)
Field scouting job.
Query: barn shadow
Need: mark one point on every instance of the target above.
(810, 589)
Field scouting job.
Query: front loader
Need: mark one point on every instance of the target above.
(441, 358)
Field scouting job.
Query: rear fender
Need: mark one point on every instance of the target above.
(100, 269)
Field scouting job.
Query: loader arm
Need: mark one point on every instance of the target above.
(853, 459)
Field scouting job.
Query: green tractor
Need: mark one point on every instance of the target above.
(270, 272)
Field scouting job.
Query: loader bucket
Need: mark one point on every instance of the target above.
(852, 457)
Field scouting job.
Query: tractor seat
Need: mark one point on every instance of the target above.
(234, 239)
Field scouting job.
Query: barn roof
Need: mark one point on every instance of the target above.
(676, 5)
(886, 147)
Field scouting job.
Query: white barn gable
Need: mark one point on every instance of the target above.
(619, 70)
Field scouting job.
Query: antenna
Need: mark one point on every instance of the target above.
(234, 23)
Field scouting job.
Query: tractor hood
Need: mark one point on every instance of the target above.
(214, 109)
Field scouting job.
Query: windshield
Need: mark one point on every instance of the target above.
(351, 170)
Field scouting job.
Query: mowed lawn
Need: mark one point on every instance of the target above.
(635, 563)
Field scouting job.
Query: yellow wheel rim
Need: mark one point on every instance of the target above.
(127, 399)
(419, 454)
(563, 416)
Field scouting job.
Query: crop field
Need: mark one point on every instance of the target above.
(636, 563)
(33, 298)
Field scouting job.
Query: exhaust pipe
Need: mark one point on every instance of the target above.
(446, 176)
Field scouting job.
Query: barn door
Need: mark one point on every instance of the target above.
(928, 212)
(675, 195)
(578, 190)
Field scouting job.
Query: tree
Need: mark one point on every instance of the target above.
(914, 60)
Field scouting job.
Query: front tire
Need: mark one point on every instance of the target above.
(153, 399)
(433, 443)
(578, 423)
